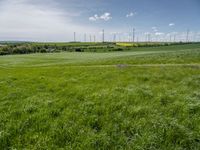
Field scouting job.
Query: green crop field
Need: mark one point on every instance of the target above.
(142, 98)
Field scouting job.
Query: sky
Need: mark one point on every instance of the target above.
(57, 20)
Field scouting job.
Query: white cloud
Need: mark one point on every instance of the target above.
(131, 14)
(159, 33)
(106, 16)
(94, 18)
(154, 29)
(172, 24)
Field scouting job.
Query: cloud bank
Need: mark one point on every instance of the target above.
(37, 21)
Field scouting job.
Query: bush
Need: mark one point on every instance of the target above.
(118, 49)
(43, 50)
(78, 50)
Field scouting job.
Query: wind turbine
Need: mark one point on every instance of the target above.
(133, 35)
(74, 36)
(103, 36)
(187, 35)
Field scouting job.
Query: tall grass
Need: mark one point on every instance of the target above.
(66, 107)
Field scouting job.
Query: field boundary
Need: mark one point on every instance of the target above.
(128, 65)
(139, 65)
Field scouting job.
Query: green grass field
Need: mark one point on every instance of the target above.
(145, 98)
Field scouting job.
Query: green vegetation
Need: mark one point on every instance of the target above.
(143, 98)
(28, 48)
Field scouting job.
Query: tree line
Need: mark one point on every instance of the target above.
(28, 48)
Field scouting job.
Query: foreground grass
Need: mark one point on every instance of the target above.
(51, 105)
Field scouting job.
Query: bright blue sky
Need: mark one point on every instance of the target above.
(56, 20)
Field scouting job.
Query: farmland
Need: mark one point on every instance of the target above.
(115, 98)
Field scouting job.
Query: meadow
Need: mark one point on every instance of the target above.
(140, 98)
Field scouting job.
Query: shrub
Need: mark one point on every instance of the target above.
(78, 50)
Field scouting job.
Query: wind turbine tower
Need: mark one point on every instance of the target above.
(74, 36)
(187, 35)
(103, 38)
(133, 35)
